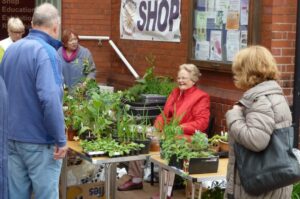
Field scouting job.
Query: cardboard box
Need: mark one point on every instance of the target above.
(86, 191)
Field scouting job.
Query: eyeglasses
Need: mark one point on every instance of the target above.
(182, 78)
(17, 32)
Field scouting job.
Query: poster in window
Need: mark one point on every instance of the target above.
(233, 15)
(216, 45)
(244, 12)
(202, 50)
(222, 5)
(232, 43)
(244, 39)
(200, 25)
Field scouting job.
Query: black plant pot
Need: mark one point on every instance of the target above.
(146, 144)
(87, 135)
(203, 165)
(176, 163)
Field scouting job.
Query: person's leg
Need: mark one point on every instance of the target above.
(135, 170)
(44, 173)
(18, 180)
(43, 170)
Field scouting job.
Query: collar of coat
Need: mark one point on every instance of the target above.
(264, 88)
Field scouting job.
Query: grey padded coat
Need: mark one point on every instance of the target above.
(265, 109)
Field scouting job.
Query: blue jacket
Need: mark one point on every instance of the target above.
(32, 72)
(3, 140)
(73, 71)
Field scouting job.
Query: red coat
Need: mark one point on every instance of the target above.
(193, 104)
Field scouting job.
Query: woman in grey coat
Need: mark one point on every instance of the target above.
(77, 61)
(3, 141)
(252, 120)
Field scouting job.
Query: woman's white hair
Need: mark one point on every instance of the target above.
(15, 24)
(45, 15)
(192, 70)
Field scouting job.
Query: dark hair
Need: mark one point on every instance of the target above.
(66, 36)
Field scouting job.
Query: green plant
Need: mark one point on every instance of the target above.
(296, 191)
(214, 193)
(150, 84)
(213, 141)
(87, 67)
(199, 141)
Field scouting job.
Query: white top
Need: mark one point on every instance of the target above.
(5, 43)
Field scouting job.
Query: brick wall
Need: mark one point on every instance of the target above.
(283, 41)
(277, 32)
(91, 17)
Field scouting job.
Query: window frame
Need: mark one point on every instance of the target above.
(253, 38)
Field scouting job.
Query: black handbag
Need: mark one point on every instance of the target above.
(270, 169)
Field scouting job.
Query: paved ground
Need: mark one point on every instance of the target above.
(146, 192)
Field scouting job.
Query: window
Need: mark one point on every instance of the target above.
(219, 29)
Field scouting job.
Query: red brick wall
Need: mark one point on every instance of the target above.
(91, 17)
(283, 41)
(277, 32)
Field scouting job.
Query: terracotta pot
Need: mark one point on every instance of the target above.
(71, 133)
(224, 146)
(154, 145)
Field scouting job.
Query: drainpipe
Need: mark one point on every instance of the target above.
(296, 93)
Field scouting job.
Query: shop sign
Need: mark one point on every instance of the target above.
(157, 20)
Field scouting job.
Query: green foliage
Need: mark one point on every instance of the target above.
(216, 138)
(87, 67)
(174, 143)
(296, 191)
(199, 141)
(214, 193)
(110, 146)
(150, 84)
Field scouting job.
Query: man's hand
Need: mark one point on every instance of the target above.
(60, 152)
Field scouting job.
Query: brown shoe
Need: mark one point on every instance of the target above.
(129, 185)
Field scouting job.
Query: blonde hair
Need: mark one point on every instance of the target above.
(15, 24)
(252, 66)
(192, 70)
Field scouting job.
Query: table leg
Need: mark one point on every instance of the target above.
(161, 182)
(193, 190)
(110, 180)
(63, 178)
(107, 180)
(200, 191)
(152, 173)
(113, 175)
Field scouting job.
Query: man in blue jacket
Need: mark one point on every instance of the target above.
(3, 140)
(32, 73)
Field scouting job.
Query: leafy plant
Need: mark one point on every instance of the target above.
(214, 193)
(150, 84)
(296, 191)
(199, 141)
(87, 67)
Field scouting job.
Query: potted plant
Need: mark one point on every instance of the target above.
(224, 146)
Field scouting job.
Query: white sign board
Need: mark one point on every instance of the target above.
(155, 20)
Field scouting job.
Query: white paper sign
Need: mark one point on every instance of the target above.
(216, 45)
(202, 50)
(232, 45)
(150, 20)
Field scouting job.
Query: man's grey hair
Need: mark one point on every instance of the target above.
(45, 15)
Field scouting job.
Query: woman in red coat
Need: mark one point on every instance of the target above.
(186, 101)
